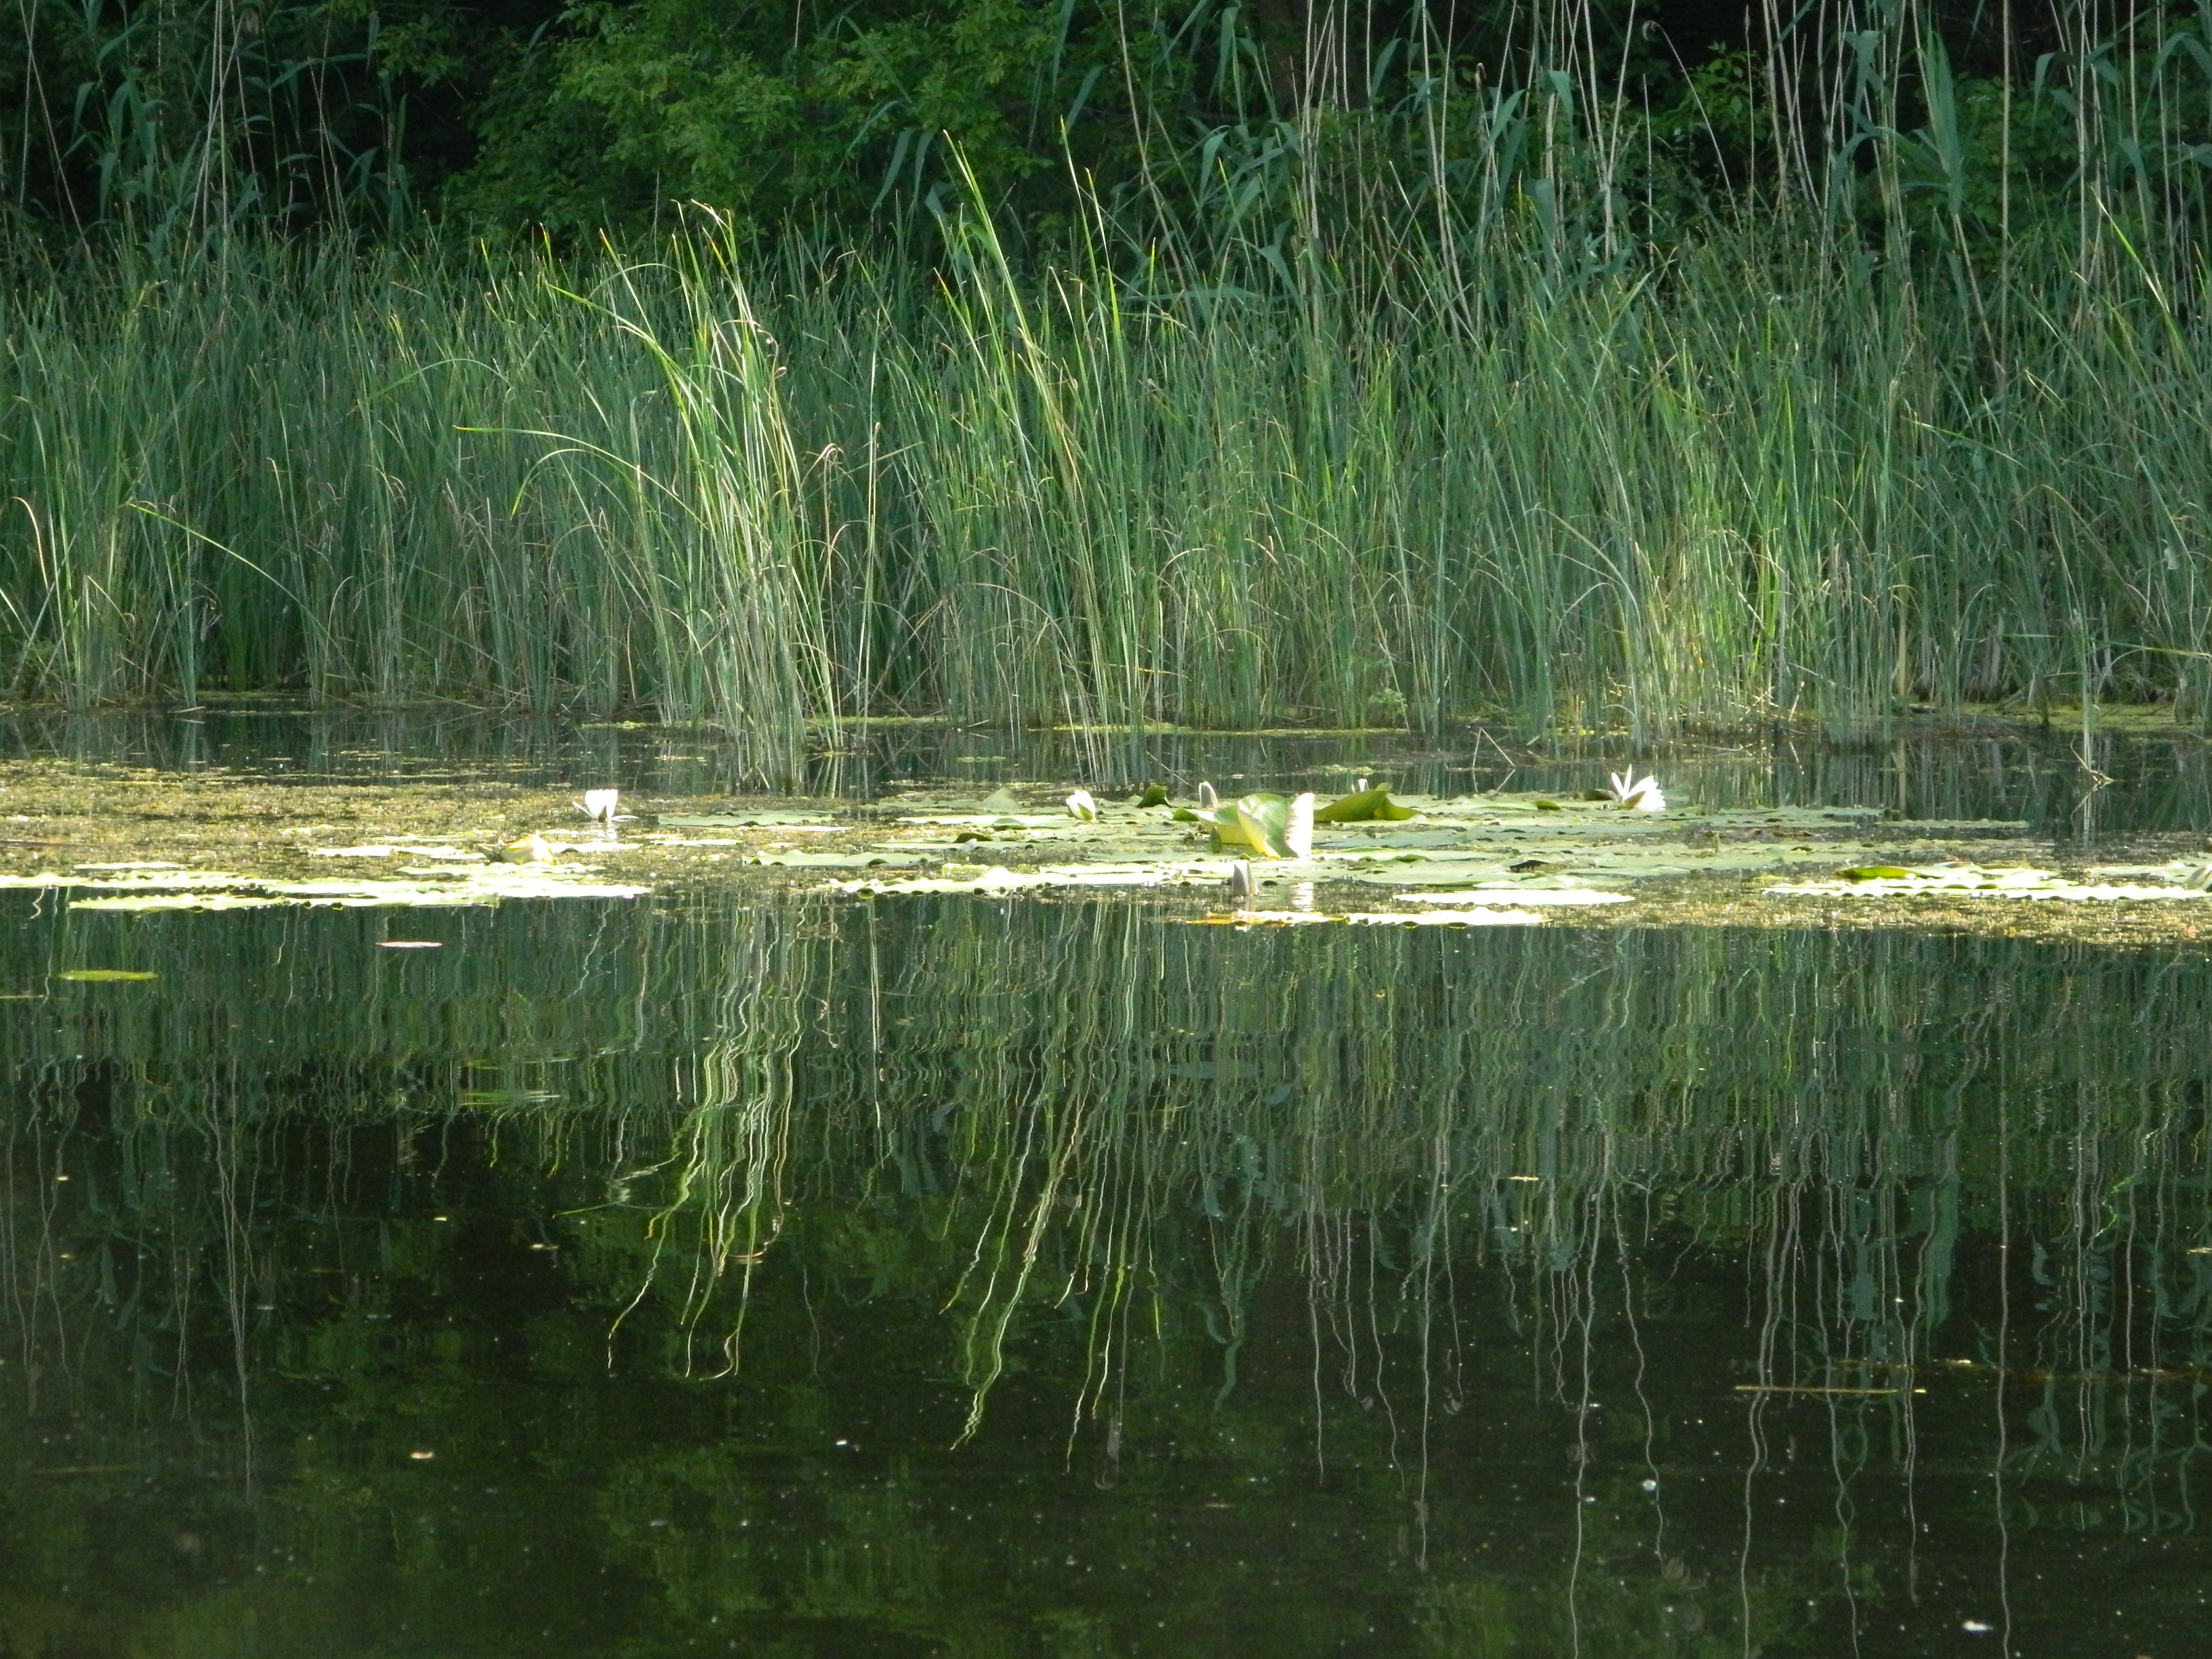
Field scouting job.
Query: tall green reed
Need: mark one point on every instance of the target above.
(1899, 421)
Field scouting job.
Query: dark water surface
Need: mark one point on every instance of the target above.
(970, 1278)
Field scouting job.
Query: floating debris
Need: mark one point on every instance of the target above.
(104, 975)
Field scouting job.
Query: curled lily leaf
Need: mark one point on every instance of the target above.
(1365, 805)
(1207, 800)
(1228, 830)
(1265, 822)
(533, 849)
(1082, 807)
(1152, 794)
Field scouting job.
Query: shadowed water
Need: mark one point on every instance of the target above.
(958, 1277)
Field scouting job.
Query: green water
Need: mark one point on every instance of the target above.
(982, 1279)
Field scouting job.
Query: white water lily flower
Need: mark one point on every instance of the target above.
(601, 806)
(1297, 833)
(1207, 800)
(1082, 807)
(1641, 795)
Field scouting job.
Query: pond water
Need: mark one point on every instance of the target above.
(777, 1273)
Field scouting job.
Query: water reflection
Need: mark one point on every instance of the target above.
(1053, 1278)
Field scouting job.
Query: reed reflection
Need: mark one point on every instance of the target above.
(808, 1270)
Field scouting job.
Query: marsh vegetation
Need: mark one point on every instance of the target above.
(1811, 382)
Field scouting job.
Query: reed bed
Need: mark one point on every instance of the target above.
(1510, 441)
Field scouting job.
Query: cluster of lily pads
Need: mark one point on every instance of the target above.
(1263, 840)
(1479, 860)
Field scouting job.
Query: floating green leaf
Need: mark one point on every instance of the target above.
(1262, 822)
(1365, 806)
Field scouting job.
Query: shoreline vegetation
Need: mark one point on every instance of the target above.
(1909, 416)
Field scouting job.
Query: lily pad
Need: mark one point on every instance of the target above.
(765, 820)
(863, 860)
(1972, 881)
(1365, 806)
(1507, 892)
(1480, 916)
(998, 879)
(1270, 825)
(438, 887)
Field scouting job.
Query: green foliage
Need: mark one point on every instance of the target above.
(742, 106)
